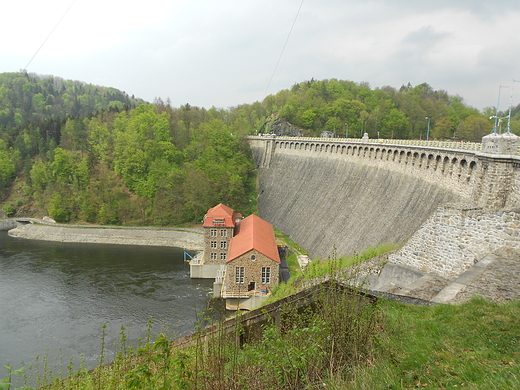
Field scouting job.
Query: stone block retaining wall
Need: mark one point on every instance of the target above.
(454, 239)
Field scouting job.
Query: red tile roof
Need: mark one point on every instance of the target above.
(221, 215)
(253, 233)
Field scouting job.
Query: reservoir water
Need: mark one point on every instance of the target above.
(55, 298)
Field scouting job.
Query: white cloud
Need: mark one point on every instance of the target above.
(223, 53)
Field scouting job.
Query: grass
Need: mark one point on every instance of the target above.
(321, 268)
(474, 346)
(342, 345)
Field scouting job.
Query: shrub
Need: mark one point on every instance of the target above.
(9, 210)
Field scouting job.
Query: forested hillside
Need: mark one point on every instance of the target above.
(75, 151)
(331, 105)
(103, 160)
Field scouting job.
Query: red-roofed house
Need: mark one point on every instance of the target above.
(242, 256)
(253, 263)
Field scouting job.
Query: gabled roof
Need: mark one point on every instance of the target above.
(253, 233)
(221, 215)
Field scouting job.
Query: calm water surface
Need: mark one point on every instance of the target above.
(55, 297)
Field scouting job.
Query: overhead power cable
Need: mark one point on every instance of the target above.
(70, 6)
(283, 49)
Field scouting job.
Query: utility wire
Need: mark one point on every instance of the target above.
(70, 6)
(283, 49)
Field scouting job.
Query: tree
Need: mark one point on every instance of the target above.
(473, 128)
(59, 208)
(443, 128)
(40, 176)
(38, 103)
(394, 124)
(63, 166)
(9, 210)
(7, 166)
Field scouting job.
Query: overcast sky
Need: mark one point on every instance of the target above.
(224, 53)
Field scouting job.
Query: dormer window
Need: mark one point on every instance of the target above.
(218, 222)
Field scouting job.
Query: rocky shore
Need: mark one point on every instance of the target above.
(180, 238)
(6, 224)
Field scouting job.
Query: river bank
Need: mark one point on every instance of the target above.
(165, 237)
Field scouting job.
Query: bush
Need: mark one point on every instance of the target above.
(9, 210)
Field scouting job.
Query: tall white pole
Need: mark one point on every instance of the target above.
(510, 106)
(496, 111)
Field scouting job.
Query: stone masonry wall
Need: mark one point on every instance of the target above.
(453, 239)
(219, 238)
(252, 272)
(513, 200)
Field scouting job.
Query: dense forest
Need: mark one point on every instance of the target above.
(386, 112)
(79, 152)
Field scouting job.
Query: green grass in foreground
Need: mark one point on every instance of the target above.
(387, 346)
(474, 346)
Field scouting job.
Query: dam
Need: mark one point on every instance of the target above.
(450, 203)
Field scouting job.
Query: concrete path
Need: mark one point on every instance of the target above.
(495, 277)
(449, 292)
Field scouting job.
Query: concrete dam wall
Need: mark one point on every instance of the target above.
(452, 202)
(344, 201)
(107, 235)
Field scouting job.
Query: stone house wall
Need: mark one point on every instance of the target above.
(252, 272)
(220, 252)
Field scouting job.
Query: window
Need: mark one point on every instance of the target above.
(266, 275)
(223, 244)
(223, 256)
(223, 233)
(213, 256)
(213, 232)
(253, 257)
(239, 275)
(213, 245)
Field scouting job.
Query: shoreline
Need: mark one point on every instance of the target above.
(164, 237)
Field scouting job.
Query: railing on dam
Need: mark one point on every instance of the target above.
(474, 146)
